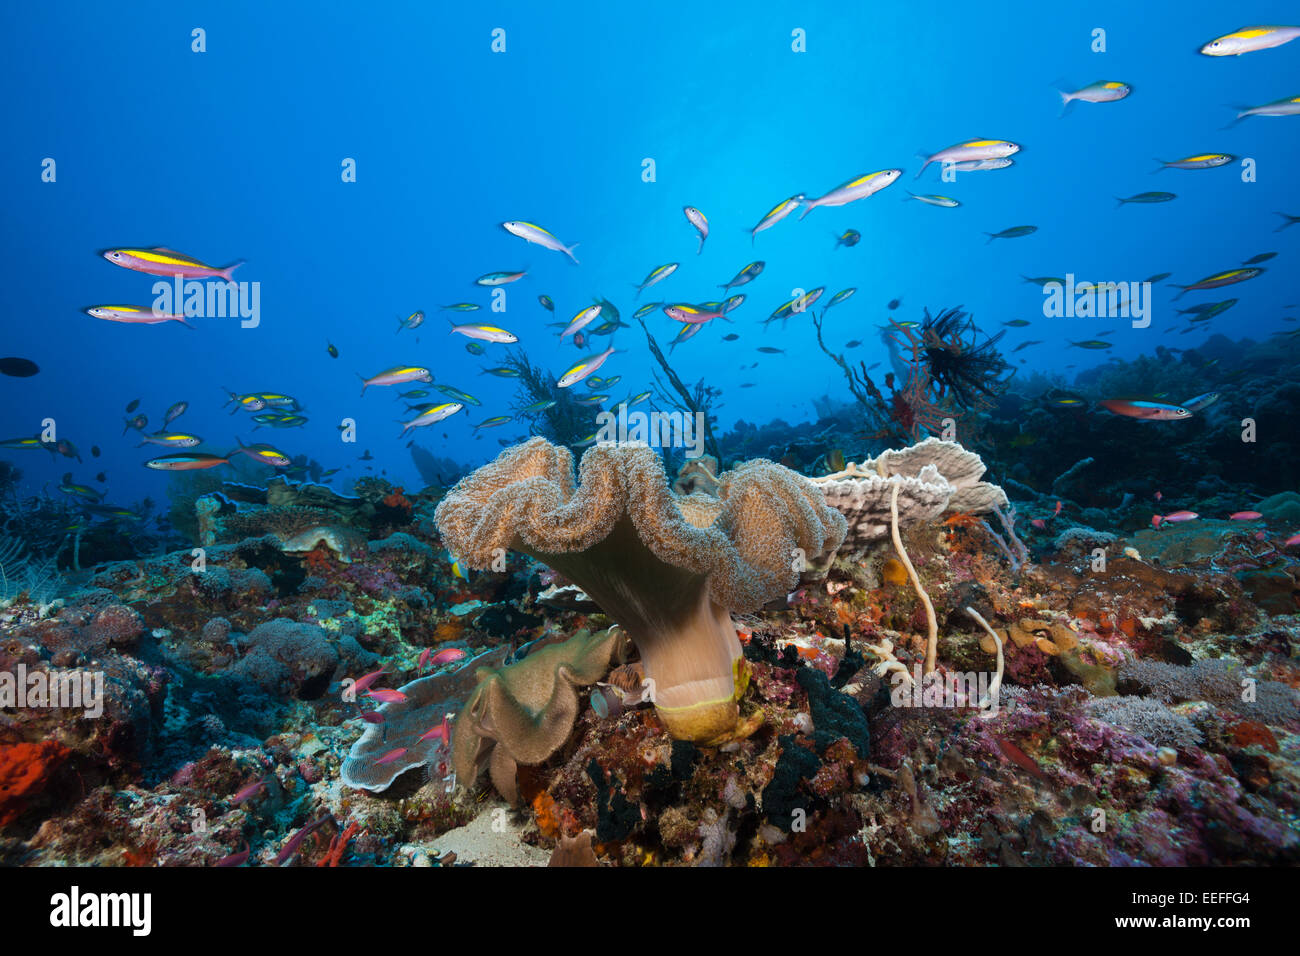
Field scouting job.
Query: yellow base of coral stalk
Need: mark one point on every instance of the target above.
(713, 723)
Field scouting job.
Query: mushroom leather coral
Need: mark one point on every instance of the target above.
(668, 568)
(524, 712)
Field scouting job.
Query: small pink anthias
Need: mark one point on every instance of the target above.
(363, 682)
(1158, 520)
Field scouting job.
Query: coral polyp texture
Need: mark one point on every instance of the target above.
(521, 714)
(669, 569)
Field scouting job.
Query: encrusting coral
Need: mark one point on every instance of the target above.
(521, 714)
(669, 569)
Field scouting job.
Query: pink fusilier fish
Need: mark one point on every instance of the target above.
(397, 375)
(159, 261)
(1039, 523)
(372, 717)
(692, 314)
(1149, 411)
(135, 315)
(484, 333)
(1292, 541)
(1245, 516)
(855, 189)
(973, 150)
(582, 320)
(392, 756)
(187, 461)
(701, 224)
(584, 368)
(539, 236)
(170, 440)
(1158, 520)
(386, 696)
(446, 656)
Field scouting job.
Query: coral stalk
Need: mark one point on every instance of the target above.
(1002, 546)
(932, 644)
(996, 687)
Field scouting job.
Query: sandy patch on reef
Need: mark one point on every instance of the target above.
(484, 844)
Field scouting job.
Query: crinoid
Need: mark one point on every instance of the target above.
(960, 368)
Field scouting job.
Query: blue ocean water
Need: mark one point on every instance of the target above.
(237, 153)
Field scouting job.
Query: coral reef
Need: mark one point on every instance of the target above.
(742, 666)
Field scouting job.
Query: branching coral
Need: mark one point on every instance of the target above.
(889, 663)
(667, 568)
